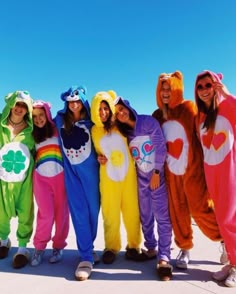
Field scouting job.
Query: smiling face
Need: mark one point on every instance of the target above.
(19, 111)
(75, 106)
(205, 90)
(122, 113)
(165, 93)
(104, 111)
(39, 117)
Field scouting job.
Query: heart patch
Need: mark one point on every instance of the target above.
(175, 148)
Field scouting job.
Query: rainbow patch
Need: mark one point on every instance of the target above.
(48, 153)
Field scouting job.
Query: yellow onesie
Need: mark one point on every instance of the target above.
(118, 182)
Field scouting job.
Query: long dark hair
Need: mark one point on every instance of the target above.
(211, 112)
(68, 117)
(109, 123)
(123, 127)
(41, 134)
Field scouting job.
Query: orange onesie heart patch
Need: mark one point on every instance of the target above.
(175, 148)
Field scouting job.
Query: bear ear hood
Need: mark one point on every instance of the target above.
(18, 96)
(109, 97)
(216, 77)
(46, 106)
(75, 93)
(175, 80)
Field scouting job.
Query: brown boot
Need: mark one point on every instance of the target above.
(21, 259)
(4, 249)
(108, 257)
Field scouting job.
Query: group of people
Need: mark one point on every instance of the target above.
(158, 171)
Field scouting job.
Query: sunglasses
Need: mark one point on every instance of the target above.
(201, 87)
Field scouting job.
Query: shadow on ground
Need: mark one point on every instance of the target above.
(121, 269)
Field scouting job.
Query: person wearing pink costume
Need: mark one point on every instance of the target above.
(48, 186)
(216, 126)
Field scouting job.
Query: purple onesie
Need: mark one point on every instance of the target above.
(148, 148)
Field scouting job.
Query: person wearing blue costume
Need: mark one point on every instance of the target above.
(81, 174)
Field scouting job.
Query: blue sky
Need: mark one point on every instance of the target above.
(49, 45)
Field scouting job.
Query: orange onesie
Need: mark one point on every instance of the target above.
(188, 195)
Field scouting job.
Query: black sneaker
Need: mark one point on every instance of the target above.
(133, 254)
(108, 257)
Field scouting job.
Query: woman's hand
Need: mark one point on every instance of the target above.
(102, 159)
(155, 181)
(221, 89)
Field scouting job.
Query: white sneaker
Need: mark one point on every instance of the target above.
(231, 279)
(56, 255)
(182, 259)
(37, 257)
(224, 255)
(222, 274)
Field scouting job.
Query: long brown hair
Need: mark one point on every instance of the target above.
(68, 117)
(211, 112)
(123, 127)
(47, 131)
(109, 123)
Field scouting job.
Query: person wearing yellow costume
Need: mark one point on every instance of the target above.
(118, 180)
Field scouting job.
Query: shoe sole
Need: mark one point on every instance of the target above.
(83, 271)
(182, 266)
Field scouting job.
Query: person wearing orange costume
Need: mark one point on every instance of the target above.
(188, 194)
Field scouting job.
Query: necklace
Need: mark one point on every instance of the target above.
(15, 125)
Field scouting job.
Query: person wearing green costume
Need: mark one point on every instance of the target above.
(16, 164)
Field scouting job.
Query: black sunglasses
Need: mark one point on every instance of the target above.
(201, 87)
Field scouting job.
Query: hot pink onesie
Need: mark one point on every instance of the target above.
(219, 148)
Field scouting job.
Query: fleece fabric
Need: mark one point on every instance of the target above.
(81, 173)
(148, 148)
(219, 148)
(49, 190)
(16, 165)
(187, 190)
(118, 180)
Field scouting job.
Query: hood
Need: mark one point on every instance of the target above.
(175, 81)
(216, 77)
(120, 100)
(76, 93)
(109, 97)
(46, 106)
(11, 99)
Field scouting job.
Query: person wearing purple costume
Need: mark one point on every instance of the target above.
(148, 148)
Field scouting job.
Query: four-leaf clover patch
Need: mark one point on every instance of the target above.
(14, 161)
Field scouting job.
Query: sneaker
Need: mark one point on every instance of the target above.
(182, 259)
(231, 279)
(96, 257)
(224, 255)
(56, 255)
(5, 246)
(222, 274)
(108, 257)
(37, 257)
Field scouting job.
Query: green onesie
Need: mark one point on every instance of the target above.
(16, 165)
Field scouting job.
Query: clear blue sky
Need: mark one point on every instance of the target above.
(49, 45)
